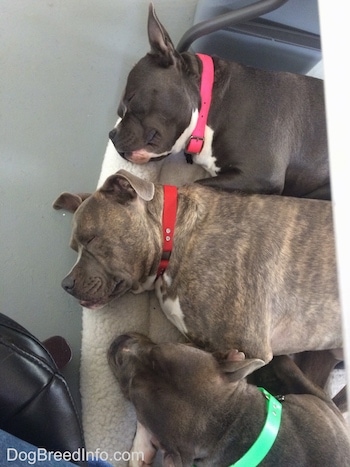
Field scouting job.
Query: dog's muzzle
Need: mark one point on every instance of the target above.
(112, 134)
(68, 284)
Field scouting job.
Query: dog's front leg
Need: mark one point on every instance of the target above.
(142, 451)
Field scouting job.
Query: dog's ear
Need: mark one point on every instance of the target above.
(160, 42)
(236, 366)
(69, 201)
(126, 187)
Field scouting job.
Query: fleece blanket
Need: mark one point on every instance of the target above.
(108, 419)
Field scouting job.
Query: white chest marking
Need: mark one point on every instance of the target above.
(142, 445)
(173, 312)
(171, 307)
(181, 142)
(205, 158)
(147, 285)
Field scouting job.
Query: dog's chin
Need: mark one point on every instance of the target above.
(143, 157)
(140, 156)
(120, 288)
(91, 305)
(160, 158)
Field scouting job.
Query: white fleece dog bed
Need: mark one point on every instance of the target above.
(108, 419)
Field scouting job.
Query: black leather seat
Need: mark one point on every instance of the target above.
(35, 402)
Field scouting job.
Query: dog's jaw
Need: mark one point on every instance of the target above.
(90, 305)
(143, 156)
(119, 289)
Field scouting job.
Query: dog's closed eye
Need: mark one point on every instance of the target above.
(121, 110)
(150, 136)
(123, 106)
(88, 240)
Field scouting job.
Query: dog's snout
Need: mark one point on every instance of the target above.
(112, 134)
(117, 351)
(114, 138)
(129, 345)
(68, 284)
(121, 343)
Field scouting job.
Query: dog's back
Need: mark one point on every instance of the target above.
(272, 264)
(277, 120)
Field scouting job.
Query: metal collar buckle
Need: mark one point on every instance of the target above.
(197, 147)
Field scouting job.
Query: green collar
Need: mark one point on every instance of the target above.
(267, 436)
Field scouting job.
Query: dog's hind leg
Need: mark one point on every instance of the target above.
(340, 400)
(316, 365)
(323, 192)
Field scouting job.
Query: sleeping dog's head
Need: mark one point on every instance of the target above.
(179, 392)
(199, 410)
(158, 111)
(113, 239)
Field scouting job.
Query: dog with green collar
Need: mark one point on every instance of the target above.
(200, 411)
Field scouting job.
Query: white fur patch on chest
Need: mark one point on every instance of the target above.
(145, 286)
(142, 445)
(205, 158)
(173, 312)
(171, 307)
(182, 140)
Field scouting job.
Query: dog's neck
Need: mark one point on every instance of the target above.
(237, 438)
(168, 225)
(196, 141)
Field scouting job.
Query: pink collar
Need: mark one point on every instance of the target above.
(196, 141)
(168, 227)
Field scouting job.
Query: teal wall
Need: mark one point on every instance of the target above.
(63, 66)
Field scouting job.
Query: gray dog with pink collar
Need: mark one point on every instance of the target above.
(252, 130)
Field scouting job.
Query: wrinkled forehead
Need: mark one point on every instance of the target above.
(87, 217)
(85, 213)
(147, 78)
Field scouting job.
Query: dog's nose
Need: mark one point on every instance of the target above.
(122, 342)
(117, 350)
(112, 134)
(129, 343)
(68, 284)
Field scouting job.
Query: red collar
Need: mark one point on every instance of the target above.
(196, 141)
(168, 228)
